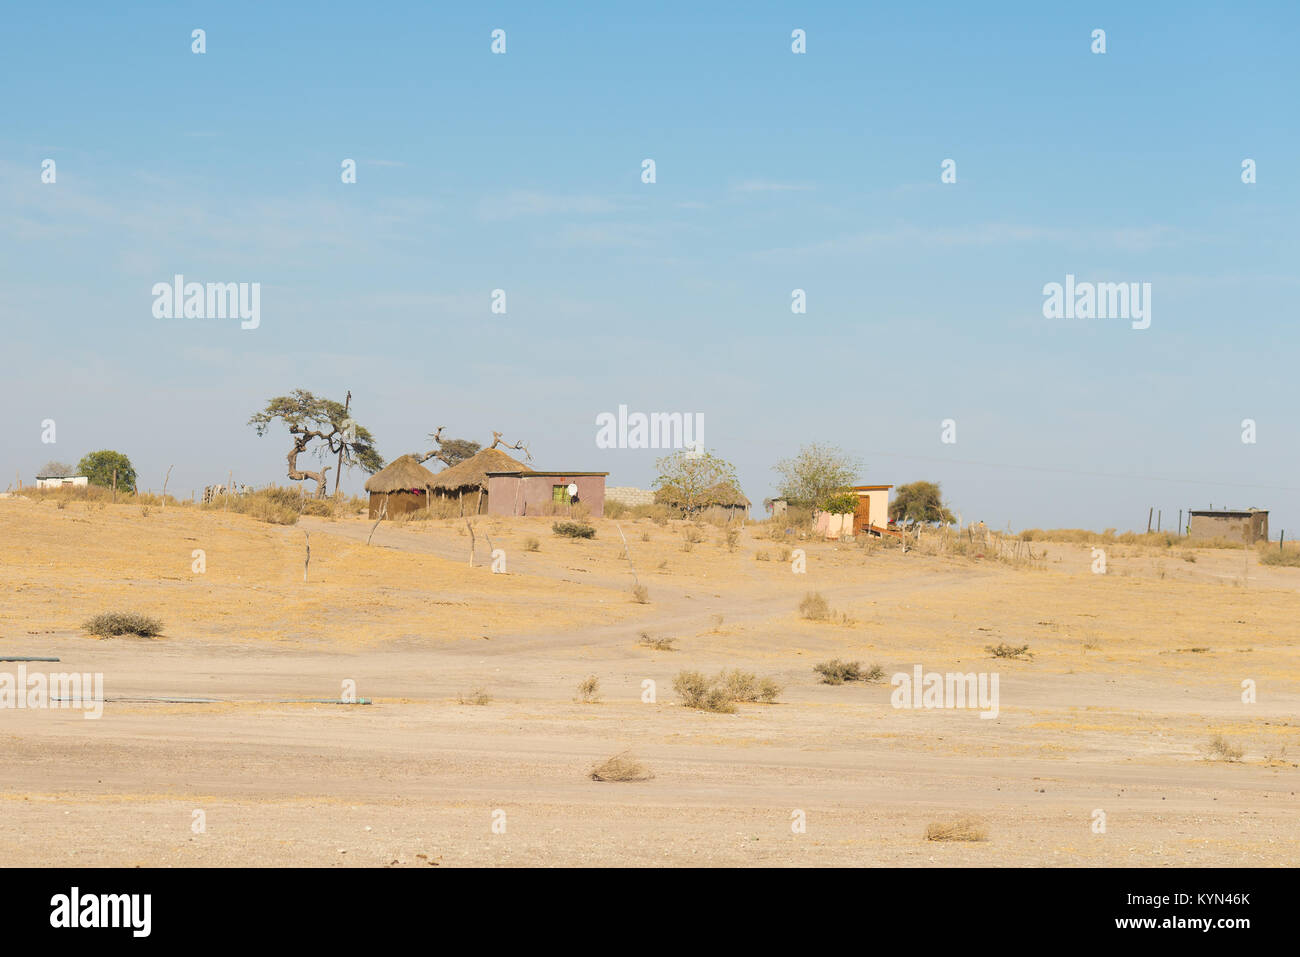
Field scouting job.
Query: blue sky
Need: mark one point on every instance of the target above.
(775, 171)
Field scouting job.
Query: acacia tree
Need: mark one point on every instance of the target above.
(818, 472)
(919, 502)
(454, 451)
(688, 476)
(311, 419)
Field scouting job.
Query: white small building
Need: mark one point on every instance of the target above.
(58, 481)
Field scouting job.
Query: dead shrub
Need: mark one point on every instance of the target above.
(478, 697)
(589, 690)
(1221, 749)
(836, 672)
(814, 607)
(114, 623)
(621, 767)
(964, 829)
(720, 693)
(745, 686)
(658, 644)
(1003, 650)
(531, 544)
(640, 594)
(696, 691)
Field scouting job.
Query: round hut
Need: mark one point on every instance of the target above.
(400, 487)
(467, 482)
(724, 497)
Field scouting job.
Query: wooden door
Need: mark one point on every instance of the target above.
(862, 514)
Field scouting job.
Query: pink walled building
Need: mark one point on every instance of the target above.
(530, 493)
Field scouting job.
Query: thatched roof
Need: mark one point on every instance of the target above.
(401, 475)
(724, 493)
(472, 473)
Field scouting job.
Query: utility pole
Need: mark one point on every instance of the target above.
(338, 474)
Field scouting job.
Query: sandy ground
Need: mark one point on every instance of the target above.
(1133, 672)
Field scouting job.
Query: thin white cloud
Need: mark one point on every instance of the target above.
(1129, 239)
(768, 186)
(526, 203)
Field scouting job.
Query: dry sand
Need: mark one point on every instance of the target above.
(1133, 672)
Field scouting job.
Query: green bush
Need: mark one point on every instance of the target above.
(99, 468)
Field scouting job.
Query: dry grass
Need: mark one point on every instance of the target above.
(588, 690)
(698, 692)
(1003, 650)
(531, 544)
(745, 686)
(640, 594)
(964, 829)
(115, 623)
(477, 697)
(814, 607)
(836, 672)
(1287, 557)
(658, 644)
(720, 693)
(621, 767)
(574, 529)
(1221, 749)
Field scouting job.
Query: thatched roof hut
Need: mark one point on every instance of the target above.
(403, 484)
(723, 495)
(471, 476)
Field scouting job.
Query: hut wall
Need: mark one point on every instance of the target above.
(469, 498)
(1249, 527)
(399, 503)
